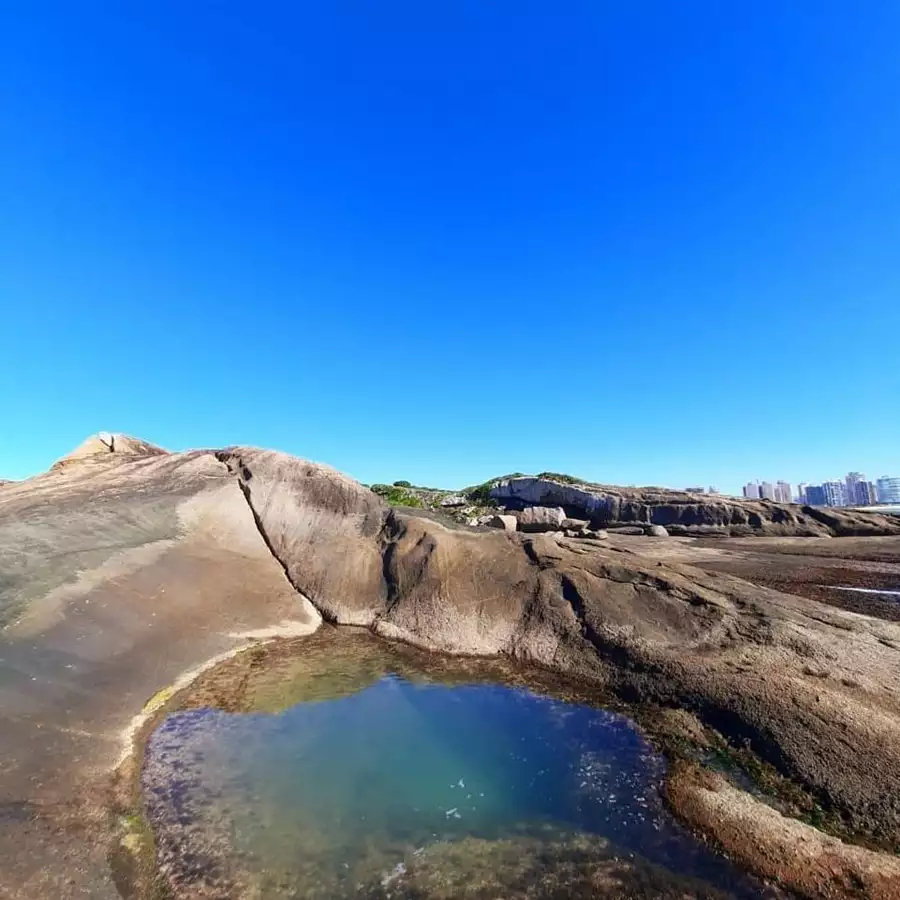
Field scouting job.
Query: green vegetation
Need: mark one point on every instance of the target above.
(482, 492)
(564, 479)
(795, 799)
(396, 495)
(403, 484)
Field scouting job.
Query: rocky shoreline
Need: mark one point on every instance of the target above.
(126, 567)
(769, 831)
(282, 673)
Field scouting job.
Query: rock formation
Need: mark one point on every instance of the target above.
(778, 670)
(685, 513)
(507, 523)
(99, 446)
(541, 518)
(125, 564)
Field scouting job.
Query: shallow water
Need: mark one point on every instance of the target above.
(859, 590)
(420, 789)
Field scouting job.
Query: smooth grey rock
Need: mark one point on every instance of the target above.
(657, 531)
(627, 529)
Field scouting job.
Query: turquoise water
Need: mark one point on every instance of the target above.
(409, 789)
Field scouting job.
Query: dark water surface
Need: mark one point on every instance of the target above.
(410, 788)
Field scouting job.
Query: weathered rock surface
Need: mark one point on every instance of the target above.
(119, 571)
(540, 518)
(507, 523)
(657, 531)
(117, 574)
(685, 513)
(771, 667)
(454, 500)
(574, 524)
(99, 446)
(781, 849)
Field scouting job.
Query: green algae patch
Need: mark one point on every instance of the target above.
(159, 699)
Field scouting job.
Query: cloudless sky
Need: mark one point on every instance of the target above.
(649, 242)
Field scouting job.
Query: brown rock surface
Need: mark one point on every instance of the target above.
(121, 572)
(779, 848)
(98, 447)
(816, 690)
(507, 523)
(115, 577)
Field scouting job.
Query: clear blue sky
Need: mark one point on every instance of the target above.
(638, 242)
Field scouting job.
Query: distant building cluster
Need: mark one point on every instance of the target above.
(780, 491)
(854, 490)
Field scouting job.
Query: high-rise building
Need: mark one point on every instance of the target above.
(852, 480)
(801, 492)
(864, 494)
(751, 490)
(834, 493)
(815, 495)
(783, 492)
(888, 489)
(767, 490)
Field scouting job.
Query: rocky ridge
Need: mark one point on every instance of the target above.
(681, 512)
(648, 509)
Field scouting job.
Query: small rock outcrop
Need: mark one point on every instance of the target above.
(106, 446)
(507, 523)
(657, 531)
(541, 518)
(576, 525)
(454, 500)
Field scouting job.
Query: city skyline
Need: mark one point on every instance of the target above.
(853, 489)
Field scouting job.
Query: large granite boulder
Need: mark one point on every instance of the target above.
(541, 518)
(507, 523)
(323, 526)
(685, 513)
